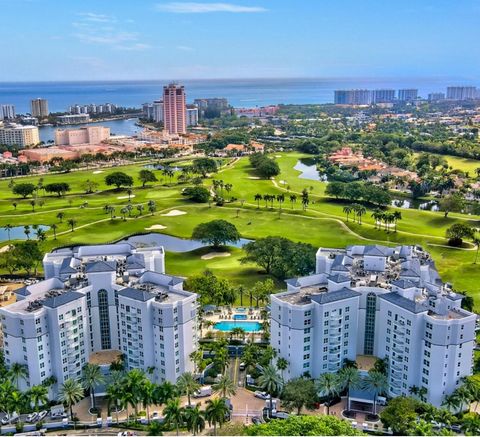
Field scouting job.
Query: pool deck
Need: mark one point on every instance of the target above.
(253, 315)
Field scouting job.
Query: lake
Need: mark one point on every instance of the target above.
(308, 171)
(18, 233)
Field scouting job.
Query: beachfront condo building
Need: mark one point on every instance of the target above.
(385, 302)
(39, 108)
(94, 299)
(18, 135)
(174, 109)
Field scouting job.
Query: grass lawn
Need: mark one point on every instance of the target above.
(322, 224)
(464, 164)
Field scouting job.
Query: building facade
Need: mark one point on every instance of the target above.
(39, 108)
(461, 92)
(408, 95)
(435, 97)
(192, 115)
(7, 112)
(379, 301)
(73, 119)
(84, 135)
(17, 135)
(383, 96)
(174, 109)
(96, 299)
(353, 97)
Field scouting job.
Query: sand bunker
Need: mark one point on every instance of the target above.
(278, 156)
(155, 227)
(173, 213)
(215, 255)
(253, 177)
(282, 182)
(98, 171)
(126, 197)
(5, 248)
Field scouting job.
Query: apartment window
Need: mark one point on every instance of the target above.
(104, 319)
(306, 331)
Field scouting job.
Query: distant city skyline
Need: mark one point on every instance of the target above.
(161, 39)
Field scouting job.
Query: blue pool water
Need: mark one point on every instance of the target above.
(239, 317)
(240, 310)
(225, 325)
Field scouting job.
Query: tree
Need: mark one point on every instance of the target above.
(299, 393)
(400, 415)
(26, 255)
(61, 216)
(216, 233)
(303, 426)
(305, 199)
(23, 189)
(457, 232)
(451, 202)
(151, 206)
(119, 179)
(204, 166)
(270, 381)
(17, 372)
(258, 198)
(194, 420)
(54, 228)
(471, 424)
(216, 413)
(335, 189)
(225, 386)
(71, 392)
(282, 364)
(173, 414)
(347, 210)
(377, 382)
(38, 396)
(8, 227)
(187, 385)
(197, 194)
(348, 379)
(72, 223)
(89, 186)
(146, 176)
(92, 376)
(59, 188)
(328, 386)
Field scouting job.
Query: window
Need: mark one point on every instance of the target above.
(104, 319)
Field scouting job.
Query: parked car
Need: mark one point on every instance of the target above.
(280, 415)
(42, 414)
(5, 419)
(261, 394)
(257, 420)
(155, 415)
(203, 392)
(242, 366)
(15, 418)
(32, 417)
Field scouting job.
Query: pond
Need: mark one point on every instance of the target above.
(161, 167)
(18, 233)
(430, 205)
(309, 170)
(173, 244)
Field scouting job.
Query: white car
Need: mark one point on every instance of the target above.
(32, 417)
(42, 414)
(5, 419)
(261, 395)
(281, 415)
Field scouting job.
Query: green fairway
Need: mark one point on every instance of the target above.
(322, 224)
(463, 164)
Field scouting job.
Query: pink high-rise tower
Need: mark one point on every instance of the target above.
(174, 109)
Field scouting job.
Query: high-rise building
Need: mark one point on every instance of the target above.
(407, 95)
(461, 92)
(158, 111)
(17, 135)
(386, 302)
(192, 115)
(213, 106)
(353, 97)
(39, 108)
(435, 97)
(7, 112)
(174, 109)
(383, 96)
(98, 299)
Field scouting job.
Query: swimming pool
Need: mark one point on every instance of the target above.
(240, 310)
(225, 325)
(239, 317)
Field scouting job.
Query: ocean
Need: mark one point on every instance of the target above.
(239, 92)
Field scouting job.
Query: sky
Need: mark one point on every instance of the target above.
(51, 40)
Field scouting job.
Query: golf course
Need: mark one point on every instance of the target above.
(87, 219)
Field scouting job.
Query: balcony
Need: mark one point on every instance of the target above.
(398, 350)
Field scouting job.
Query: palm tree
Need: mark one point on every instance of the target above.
(216, 413)
(91, 377)
(475, 241)
(195, 420)
(152, 206)
(397, 215)
(282, 364)
(61, 216)
(147, 395)
(129, 192)
(348, 378)
(187, 385)
(451, 403)
(38, 395)
(134, 382)
(17, 372)
(54, 228)
(26, 231)
(225, 387)
(377, 382)
(270, 381)
(165, 392)
(72, 223)
(70, 393)
(293, 199)
(173, 414)
(8, 227)
(140, 209)
(328, 386)
(377, 217)
(347, 210)
(360, 211)
(114, 394)
(110, 210)
(124, 212)
(258, 198)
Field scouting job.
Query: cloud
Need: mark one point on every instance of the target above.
(203, 8)
(185, 48)
(105, 30)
